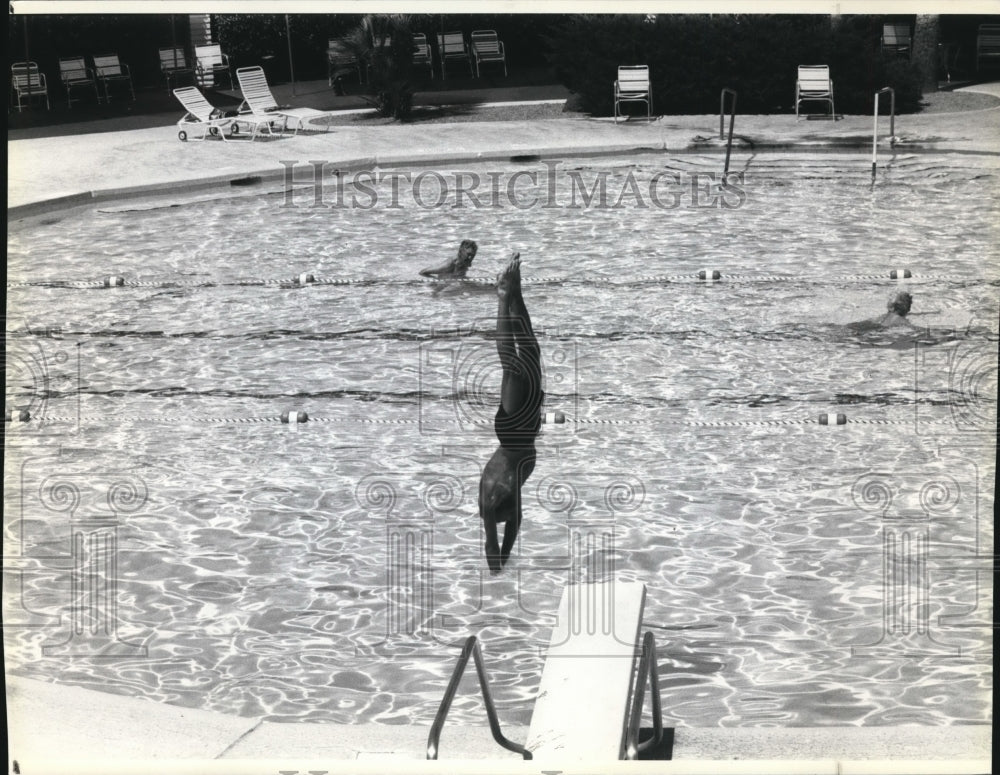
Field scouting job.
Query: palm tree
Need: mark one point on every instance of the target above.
(382, 43)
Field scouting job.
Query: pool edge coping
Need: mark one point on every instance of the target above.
(270, 174)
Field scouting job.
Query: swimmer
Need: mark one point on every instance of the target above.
(517, 421)
(458, 266)
(898, 307)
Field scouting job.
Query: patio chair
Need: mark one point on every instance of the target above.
(422, 52)
(987, 44)
(108, 70)
(75, 74)
(339, 61)
(210, 61)
(259, 102)
(27, 81)
(896, 39)
(487, 47)
(633, 85)
(173, 63)
(452, 48)
(203, 115)
(814, 83)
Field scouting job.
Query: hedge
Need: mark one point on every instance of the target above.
(693, 57)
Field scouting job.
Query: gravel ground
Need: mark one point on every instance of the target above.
(957, 102)
(936, 102)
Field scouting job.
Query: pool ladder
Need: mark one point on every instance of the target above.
(648, 671)
(732, 119)
(892, 125)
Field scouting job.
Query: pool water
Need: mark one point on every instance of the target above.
(169, 538)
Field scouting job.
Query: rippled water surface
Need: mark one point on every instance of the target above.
(797, 574)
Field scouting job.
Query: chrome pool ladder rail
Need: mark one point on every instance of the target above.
(470, 648)
(647, 670)
(892, 125)
(732, 119)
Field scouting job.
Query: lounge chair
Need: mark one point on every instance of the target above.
(633, 85)
(210, 61)
(987, 45)
(173, 63)
(75, 74)
(211, 120)
(339, 60)
(201, 114)
(422, 52)
(814, 83)
(896, 39)
(27, 81)
(109, 69)
(259, 102)
(487, 47)
(452, 48)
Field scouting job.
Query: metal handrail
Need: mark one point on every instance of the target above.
(892, 125)
(647, 669)
(470, 648)
(732, 119)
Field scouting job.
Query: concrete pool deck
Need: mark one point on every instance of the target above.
(104, 732)
(57, 728)
(54, 172)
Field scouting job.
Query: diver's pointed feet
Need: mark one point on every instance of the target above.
(510, 278)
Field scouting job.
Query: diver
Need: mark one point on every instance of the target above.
(518, 418)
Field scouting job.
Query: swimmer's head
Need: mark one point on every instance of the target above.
(900, 304)
(466, 252)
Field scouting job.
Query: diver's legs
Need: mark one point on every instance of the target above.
(516, 344)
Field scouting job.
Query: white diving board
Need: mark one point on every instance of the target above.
(582, 708)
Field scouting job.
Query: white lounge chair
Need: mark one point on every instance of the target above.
(814, 83)
(109, 69)
(75, 74)
(259, 102)
(987, 44)
(633, 85)
(173, 64)
(896, 38)
(201, 114)
(339, 61)
(27, 81)
(487, 47)
(452, 48)
(422, 52)
(210, 61)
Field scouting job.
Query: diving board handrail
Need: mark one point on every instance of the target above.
(470, 648)
(647, 669)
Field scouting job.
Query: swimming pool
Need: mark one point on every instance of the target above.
(797, 574)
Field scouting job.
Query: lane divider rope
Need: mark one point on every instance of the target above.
(23, 417)
(704, 275)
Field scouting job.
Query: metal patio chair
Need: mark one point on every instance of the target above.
(814, 83)
(109, 69)
(633, 85)
(74, 74)
(487, 47)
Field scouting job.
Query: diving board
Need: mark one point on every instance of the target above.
(590, 696)
(581, 711)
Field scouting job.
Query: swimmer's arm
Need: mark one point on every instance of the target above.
(448, 268)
